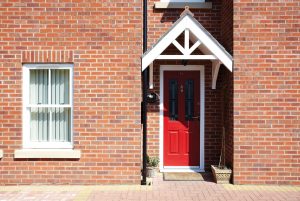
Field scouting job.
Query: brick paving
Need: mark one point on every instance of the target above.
(160, 190)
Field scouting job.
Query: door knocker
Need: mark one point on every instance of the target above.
(181, 88)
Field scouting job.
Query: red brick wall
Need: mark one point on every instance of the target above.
(266, 92)
(159, 21)
(227, 25)
(103, 39)
(225, 80)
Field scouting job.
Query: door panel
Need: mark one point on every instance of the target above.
(181, 122)
(174, 148)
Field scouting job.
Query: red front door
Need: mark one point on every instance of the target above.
(181, 118)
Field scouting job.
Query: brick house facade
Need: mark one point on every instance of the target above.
(258, 103)
(102, 40)
(266, 92)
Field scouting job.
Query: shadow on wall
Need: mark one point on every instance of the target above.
(171, 15)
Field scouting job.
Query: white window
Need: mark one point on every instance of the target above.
(47, 106)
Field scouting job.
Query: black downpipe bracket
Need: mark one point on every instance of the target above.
(145, 91)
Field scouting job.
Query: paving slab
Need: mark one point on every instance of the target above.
(160, 190)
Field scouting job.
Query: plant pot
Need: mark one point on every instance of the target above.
(151, 172)
(222, 176)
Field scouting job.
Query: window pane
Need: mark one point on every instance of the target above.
(60, 86)
(39, 124)
(189, 99)
(61, 124)
(173, 99)
(38, 86)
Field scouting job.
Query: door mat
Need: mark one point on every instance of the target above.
(187, 176)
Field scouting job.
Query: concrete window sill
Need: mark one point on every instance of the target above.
(169, 5)
(48, 153)
(1, 153)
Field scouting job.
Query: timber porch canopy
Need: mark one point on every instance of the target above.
(193, 32)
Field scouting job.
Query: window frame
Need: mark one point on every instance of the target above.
(27, 143)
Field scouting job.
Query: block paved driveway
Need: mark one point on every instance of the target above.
(160, 190)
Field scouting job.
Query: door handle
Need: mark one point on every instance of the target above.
(196, 117)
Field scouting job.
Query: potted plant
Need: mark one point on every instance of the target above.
(221, 173)
(152, 163)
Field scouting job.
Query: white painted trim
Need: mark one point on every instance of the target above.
(25, 102)
(49, 106)
(186, 40)
(162, 44)
(179, 47)
(176, 5)
(47, 66)
(189, 25)
(47, 153)
(182, 169)
(1, 153)
(196, 44)
(186, 57)
(151, 76)
(215, 72)
(27, 144)
(202, 111)
(209, 43)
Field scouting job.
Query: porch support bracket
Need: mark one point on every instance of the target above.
(215, 71)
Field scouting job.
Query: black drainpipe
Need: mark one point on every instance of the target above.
(145, 90)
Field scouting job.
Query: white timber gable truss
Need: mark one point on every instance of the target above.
(195, 34)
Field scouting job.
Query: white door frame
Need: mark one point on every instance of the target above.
(201, 166)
